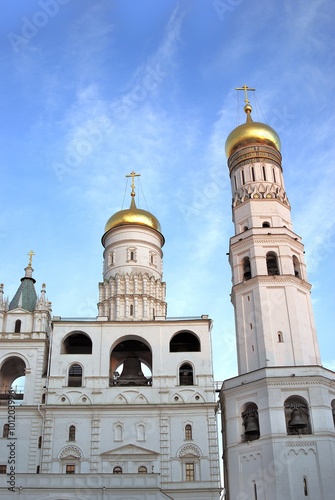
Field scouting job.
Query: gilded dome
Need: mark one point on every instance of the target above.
(133, 215)
(250, 133)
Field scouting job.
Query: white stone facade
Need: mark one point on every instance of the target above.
(118, 407)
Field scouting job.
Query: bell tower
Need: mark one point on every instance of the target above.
(277, 413)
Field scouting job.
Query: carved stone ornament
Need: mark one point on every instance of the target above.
(71, 451)
(189, 449)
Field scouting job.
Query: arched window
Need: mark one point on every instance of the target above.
(250, 422)
(118, 432)
(186, 374)
(17, 327)
(40, 442)
(72, 433)
(75, 376)
(38, 469)
(272, 264)
(188, 432)
(77, 343)
(142, 469)
(297, 416)
(246, 268)
(280, 337)
(184, 342)
(5, 431)
(131, 310)
(117, 470)
(12, 376)
(266, 224)
(305, 486)
(296, 266)
(43, 399)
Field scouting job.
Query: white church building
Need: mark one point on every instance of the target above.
(123, 406)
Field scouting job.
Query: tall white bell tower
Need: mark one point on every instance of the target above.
(278, 426)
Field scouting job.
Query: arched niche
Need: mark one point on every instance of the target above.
(297, 415)
(185, 341)
(12, 376)
(76, 342)
(131, 362)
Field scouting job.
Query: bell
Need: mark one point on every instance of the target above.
(251, 426)
(297, 421)
(132, 373)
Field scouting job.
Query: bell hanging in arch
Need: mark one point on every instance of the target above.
(297, 422)
(251, 425)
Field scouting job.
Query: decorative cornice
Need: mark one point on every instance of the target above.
(254, 154)
(189, 449)
(71, 451)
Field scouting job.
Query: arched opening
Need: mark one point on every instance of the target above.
(75, 378)
(40, 442)
(142, 469)
(5, 431)
(184, 341)
(246, 268)
(296, 267)
(272, 264)
(117, 470)
(72, 433)
(250, 422)
(186, 374)
(333, 410)
(266, 224)
(77, 343)
(188, 432)
(131, 363)
(17, 327)
(131, 310)
(280, 337)
(12, 377)
(297, 416)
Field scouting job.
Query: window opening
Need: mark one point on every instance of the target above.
(188, 432)
(242, 175)
(235, 182)
(305, 487)
(246, 269)
(264, 172)
(131, 310)
(189, 469)
(70, 469)
(266, 224)
(77, 343)
(131, 255)
(5, 431)
(38, 469)
(280, 337)
(184, 342)
(274, 175)
(255, 491)
(72, 433)
(40, 442)
(75, 376)
(43, 399)
(117, 470)
(142, 469)
(297, 416)
(186, 374)
(253, 173)
(3, 469)
(296, 267)
(250, 422)
(17, 327)
(272, 264)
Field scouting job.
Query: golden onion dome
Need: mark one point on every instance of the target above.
(133, 216)
(250, 133)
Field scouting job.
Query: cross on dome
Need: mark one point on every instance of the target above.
(31, 254)
(133, 175)
(246, 88)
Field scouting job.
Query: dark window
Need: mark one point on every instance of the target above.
(253, 173)
(38, 469)
(297, 416)
(296, 267)
(77, 343)
(75, 376)
(43, 399)
(272, 264)
(40, 442)
(186, 374)
(142, 470)
(305, 487)
(131, 310)
(3, 469)
(246, 268)
(131, 255)
(17, 327)
(188, 432)
(117, 470)
(274, 175)
(250, 422)
(184, 342)
(70, 469)
(264, 173)
(72, 433)
(266, 224)
(242, 176)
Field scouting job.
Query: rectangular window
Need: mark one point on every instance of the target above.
(70, 469)
(3, 469)
(189, 468)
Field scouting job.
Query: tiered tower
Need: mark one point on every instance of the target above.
(278, 425)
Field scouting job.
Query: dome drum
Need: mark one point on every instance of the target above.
(254, 153)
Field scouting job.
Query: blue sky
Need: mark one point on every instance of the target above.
(91, 90)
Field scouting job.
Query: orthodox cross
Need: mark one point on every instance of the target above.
(133, 175)
(31, 253)
(245, 88)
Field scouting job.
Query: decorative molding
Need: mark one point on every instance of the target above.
(189, 449)
(71, 452)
